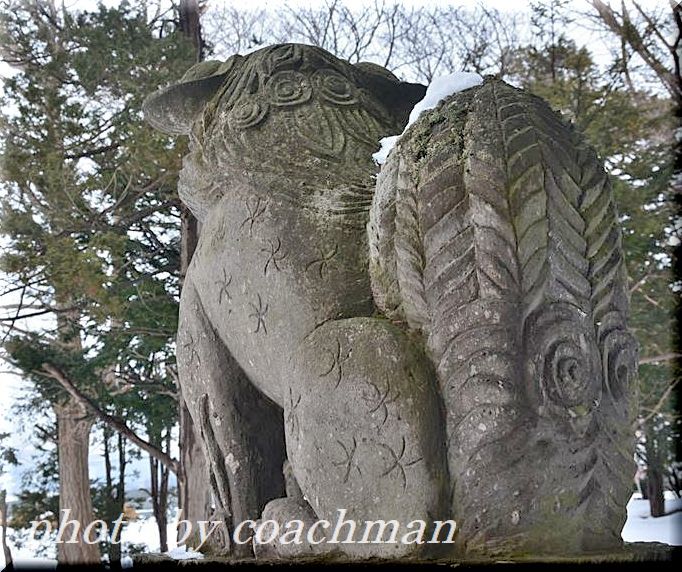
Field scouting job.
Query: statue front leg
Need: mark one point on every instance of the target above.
(241, 429)
(364, 432)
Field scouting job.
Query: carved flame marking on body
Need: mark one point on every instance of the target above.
(323, 261)
(224, 285)
(255, 208)
(260, 311)
(275, 255)
(348, 462)
(337, 361)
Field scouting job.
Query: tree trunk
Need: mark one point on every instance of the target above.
(4, 519)
(163, 495)
(74, 482)
(160, 474)
(161, 509)
(121, 485)
(190, 25)
(122, 462)
(654, 471)
(113, 498)
(194, 489)
(654, 485)
(157, 505)
(194, 497)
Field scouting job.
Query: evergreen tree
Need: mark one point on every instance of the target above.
(7, 457)
(90, 212)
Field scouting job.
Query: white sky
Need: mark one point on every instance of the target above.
(596, 44)
(505, 5)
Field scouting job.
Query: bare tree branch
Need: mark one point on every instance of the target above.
(16, 316)
(659, 358)
(622, 26)
(659, 404)
(115, 423)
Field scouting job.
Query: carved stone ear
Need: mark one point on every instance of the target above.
(174, 109)
(399, 97)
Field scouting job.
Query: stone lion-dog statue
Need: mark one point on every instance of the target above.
(446, 340)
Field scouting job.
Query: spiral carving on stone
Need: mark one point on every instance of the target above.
(619, 355)
(246, 114)
(334, 87)
(287, 88)
(567, 363)
(569, 371)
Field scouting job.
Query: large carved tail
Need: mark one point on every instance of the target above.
(493, 231)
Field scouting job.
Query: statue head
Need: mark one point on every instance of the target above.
(286, 112)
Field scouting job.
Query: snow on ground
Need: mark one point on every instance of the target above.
(640, 527)
(183, 553)
(32, 563)
(438, 89)
(142, 531)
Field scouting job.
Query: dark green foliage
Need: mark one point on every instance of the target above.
(88, 201)
(88, 207)
(8, 455)
(32, 505)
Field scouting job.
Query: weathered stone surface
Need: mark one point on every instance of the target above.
(286, 512)
(494, 232)
(370, 438)
(458, 352)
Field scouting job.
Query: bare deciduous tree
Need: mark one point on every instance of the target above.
(417, 43)
(232, 30)
(652, 35)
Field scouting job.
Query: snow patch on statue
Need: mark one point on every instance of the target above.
(440, 88)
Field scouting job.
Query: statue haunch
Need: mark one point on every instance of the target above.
(447, 341)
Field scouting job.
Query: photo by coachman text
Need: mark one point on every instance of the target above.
(341, 531)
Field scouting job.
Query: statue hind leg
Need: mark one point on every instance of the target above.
(364, 433)
(241, 430)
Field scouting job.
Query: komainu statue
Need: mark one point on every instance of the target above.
(447, 340)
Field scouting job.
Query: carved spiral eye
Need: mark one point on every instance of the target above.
(333, 87)
(566, 365)
(569, 372)
(620, 362)
(288, 87)
(246, 114)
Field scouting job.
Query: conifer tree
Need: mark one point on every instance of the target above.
(90, 213)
